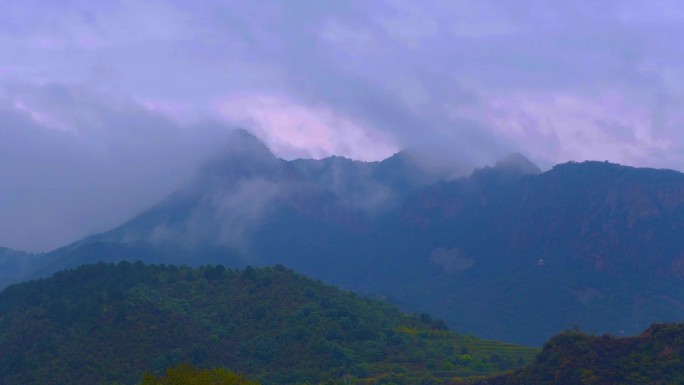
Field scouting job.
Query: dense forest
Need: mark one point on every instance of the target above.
(108, 323)
(575, 358)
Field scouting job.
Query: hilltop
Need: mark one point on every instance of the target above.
(654, 357)
(105, 323)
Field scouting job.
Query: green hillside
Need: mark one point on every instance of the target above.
(572, 358)
(109, 323)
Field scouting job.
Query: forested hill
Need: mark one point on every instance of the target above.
(574, 358)
(107, 323)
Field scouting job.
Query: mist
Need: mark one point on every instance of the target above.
(108, 107)
(77, 162)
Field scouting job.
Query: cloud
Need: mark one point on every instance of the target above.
(76, 161)
(226, 217)
(298, 131)
(557, 81)
(564, 127)
(240, 211)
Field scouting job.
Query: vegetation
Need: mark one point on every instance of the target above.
(108, 323)
(189, 375)
(574, 358)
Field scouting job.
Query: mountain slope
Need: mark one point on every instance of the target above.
(247, 206)
(469, 250)
(105, 322)
(654, 357)
(16, 265)
(609, 237)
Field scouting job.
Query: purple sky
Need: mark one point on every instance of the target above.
(106, 106)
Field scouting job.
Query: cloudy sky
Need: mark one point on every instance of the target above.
(106, 106)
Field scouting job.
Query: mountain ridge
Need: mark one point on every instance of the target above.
(595, 243)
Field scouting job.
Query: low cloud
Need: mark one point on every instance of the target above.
(239, 211)
(77, 162)
(298, 131)
(226, 218)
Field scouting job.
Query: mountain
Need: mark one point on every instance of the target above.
(232, 195)
(15, 265)
(654, 357)
(247, 206)
(108, 323)
(593, 243)
(507, 253)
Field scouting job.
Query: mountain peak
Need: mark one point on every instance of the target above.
(243, 155)
(517, 163)
(242, 143)
(509, 168)
(240, 134)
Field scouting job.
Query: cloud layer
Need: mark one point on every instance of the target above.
(76, 162)
(102, 102)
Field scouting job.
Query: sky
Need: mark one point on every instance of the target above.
(107, 106)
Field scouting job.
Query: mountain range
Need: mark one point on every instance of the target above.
(508, 252)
